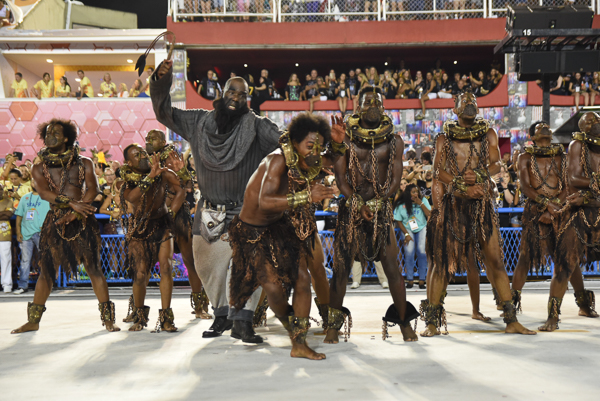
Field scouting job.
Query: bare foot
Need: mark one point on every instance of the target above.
(170, 327)
(587, 312)
(26, 327)
(408, 333)
(304, 351)
(111, 327)
(517, 328)
(332, 336)
(202, 315)
(136, 327)
(480, 316)
(430, 331)
(550, 325)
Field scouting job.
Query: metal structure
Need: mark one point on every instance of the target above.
(348, 10)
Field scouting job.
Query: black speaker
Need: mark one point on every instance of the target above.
(538, 17)
(531, 65)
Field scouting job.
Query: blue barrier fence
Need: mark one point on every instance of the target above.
(113, 257)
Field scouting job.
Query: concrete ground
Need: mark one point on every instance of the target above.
(73, 356)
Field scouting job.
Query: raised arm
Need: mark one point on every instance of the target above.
(183, 122)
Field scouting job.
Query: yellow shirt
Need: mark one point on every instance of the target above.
(108, 89)
(148, 88)
(86, 87)
(134, 93)
(19, 87)
(21, 190)
(46, 90)
(63, 91)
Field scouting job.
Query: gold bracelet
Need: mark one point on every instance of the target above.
(359, 200)
(297, 199)
(171, 212)
(482, 175)
(543, 201)
(62, 202)
(339, 148)
(375, 204)
(459, 184)
(183, 174)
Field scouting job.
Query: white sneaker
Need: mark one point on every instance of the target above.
(385, 284)
(19, 291)
(355, 285)
(7, 290)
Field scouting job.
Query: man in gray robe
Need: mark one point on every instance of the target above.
(228, 144)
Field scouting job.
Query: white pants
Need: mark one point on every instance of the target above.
(444, 95)
(357, 272)
(6, 264)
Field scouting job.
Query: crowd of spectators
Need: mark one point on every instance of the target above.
(399, 83)
(584, 86)
(45, 87)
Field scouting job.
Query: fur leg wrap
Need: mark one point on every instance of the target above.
(130, 311)
(199, 301)
(260, 314)
(107, 312)
(496, 296)
(35, 312)
(510, 312)
(164, 316)
(554, 309)
(337, 318)
(298, 328)
(586, 299)
(324, 312)
(140, 315)
(434, 314)
(516, 300)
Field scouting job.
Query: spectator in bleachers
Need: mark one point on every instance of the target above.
(293, 89)
(373, 76)
(123, 92)
(389, 85)
(31, 214)
(26, 176)
(263, 91)
(6, 212)
(108, 87)
(209, 88)
(396, 6)
(419, 84)
(136, 88)
(9, 164)
(495, 77)
(479, 85)
(145, 92)
(406, 87)
(430, 90)
(445, 91)
(342, 94)
(332, 83)
(506, 194)
(85, 86)
(411, 214)
(44, 88)
(578, 89)
(458, 89)
(311, 89)
(18, 87)
(321, 94)
(352, 84)
(63, 89)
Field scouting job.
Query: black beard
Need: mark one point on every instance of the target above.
(227, 119)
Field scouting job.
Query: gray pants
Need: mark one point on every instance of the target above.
(212, 265)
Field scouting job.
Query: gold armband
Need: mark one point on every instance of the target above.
(482, 175)
(79, 216)
(459, 184)
(375, 204)
(542, 200)
(171, 212)
(359, 200)
(556, 200)
(297, 199)
(146, 183)
(586, 195)
(183, 174)
(339, 148)
(62, 202)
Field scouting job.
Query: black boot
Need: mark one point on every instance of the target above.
(242, 330)
(220, 325)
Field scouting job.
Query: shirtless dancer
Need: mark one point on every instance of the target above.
(149, 228)
(275, 235)
(368, 175)
(70, 234)
(578, 238)
(465, 226)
